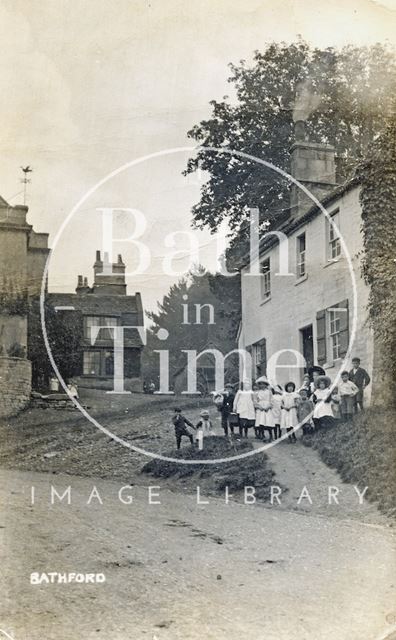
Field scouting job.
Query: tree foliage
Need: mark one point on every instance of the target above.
(13, 300)
(352, 88)
(378, 199)
(179, 305)
(64, 335)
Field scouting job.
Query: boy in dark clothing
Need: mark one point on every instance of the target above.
(361, 378)
(226, 408)
(180, 423)
(304, 411)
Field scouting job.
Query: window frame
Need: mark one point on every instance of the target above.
(265, 279)
(333, 243)
(102, 321)
(259, 357)
(91, 353)
(333, 331)
(301, 255)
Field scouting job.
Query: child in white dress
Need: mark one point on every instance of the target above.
(323, 413)
(277, 393)
(244, 407)
(263, 405)
(204, 427)
(289, 420)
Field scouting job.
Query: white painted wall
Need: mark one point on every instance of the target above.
(294, 304)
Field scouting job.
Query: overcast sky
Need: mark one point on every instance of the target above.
(89, 85)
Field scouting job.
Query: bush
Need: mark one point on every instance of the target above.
(363, 452)
(236, 474)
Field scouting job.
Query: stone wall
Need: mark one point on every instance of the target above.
(15, 385)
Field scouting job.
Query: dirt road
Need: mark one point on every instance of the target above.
(179, 570)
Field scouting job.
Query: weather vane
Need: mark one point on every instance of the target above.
(26, 170)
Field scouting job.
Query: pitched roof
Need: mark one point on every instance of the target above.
(291, 224)
(91, 304)
(116, 306)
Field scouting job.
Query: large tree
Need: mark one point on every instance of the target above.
(342, 94)
(177, 314)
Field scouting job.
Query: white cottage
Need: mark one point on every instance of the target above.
(312, 310)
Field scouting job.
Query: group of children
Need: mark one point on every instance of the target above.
(269, 409)
(313, 406)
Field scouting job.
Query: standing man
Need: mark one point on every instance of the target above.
(361, 378)
(226, 408)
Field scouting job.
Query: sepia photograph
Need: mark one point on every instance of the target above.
(198, 320)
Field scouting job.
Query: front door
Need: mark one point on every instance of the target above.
(307, 345)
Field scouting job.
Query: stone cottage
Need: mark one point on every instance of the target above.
(311, 309)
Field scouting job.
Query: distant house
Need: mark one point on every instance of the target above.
(104, 304)
(310, 311)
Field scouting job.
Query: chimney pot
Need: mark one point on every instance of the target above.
(85, 282)
(119, 259)
(98, 256)
(80, 281)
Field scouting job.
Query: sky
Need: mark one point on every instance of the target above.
(90, 86)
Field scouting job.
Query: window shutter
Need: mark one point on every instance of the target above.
(321, 336)
(344, 327)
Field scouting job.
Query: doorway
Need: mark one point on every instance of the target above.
(306, 341)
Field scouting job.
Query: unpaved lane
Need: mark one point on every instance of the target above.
(314, 488)
(183, 571)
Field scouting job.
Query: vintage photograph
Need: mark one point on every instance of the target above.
(197, 320)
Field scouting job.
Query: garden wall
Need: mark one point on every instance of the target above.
(15, 385)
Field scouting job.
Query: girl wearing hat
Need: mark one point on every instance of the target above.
(244, 407)
(323, 412)
(263, 405)
(204, 427)
(289, 420)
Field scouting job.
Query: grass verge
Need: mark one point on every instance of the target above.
(364, 453)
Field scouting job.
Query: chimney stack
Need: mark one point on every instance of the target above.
(82, 285)
(109, 278)
(312, 164)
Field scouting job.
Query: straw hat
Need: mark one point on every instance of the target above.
(324, 379)
(262, 379)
